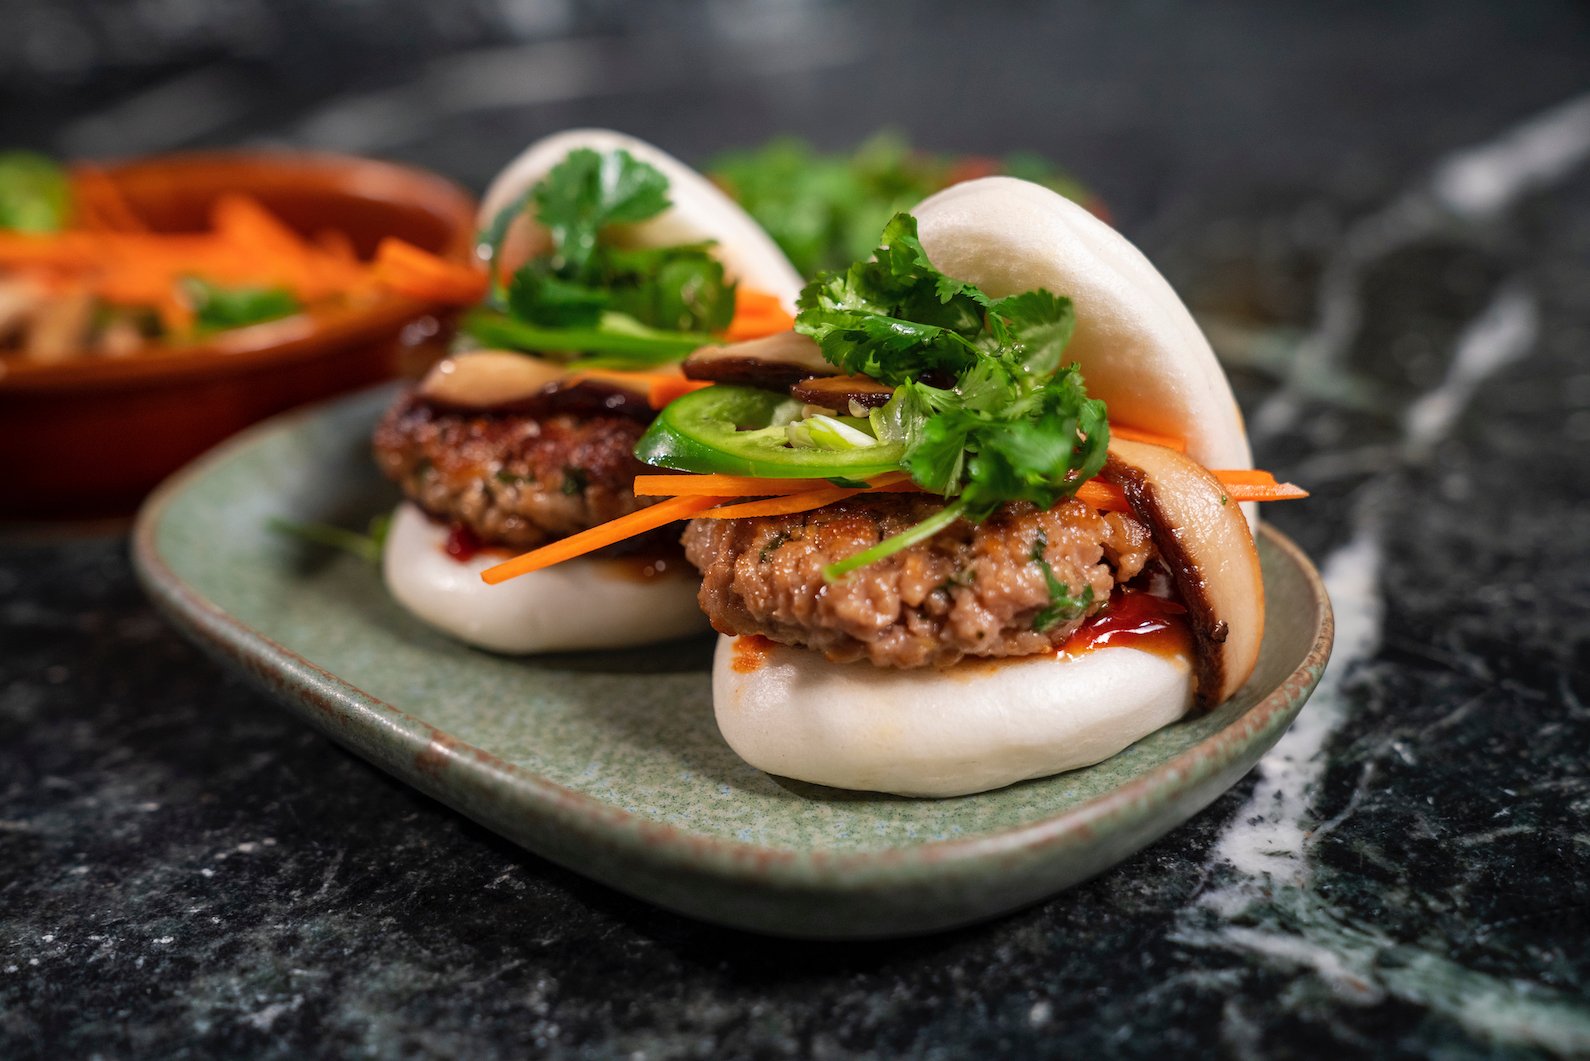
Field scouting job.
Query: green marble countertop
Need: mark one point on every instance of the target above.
(1382, 218)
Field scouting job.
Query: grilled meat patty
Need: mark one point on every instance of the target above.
(971, 590)
(514, 479)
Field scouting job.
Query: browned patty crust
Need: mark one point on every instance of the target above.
(514, 479)
(971, 590)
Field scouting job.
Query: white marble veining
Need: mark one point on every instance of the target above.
(1476, 183)
(1484, 181)
(1502, 333)
(1263, 899)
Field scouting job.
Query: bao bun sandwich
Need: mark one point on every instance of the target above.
(976, 519)
(608, 262)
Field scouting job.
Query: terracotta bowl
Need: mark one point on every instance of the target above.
(90, 436)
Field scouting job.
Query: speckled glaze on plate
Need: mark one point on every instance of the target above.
(610, 763)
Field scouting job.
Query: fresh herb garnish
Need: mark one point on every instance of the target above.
(773, 545)
(35, 194)
(588, 191)
(1015, 424)
(575, 480)
(366, 546)
(825, 210)
(1063, 605)
(636, 306)
(217, 308)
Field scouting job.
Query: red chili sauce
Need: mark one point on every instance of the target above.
(750, 652)
(463, 544)
(1134, 619)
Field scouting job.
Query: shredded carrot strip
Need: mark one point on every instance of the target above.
(272, 248)
(757, 313)
(1132, 434)
(336, 243)
(660, 387)
(742, 485)
(783, 497)
(721, 485)
(176, 315)
(1262, 492)
(749, 298)
(1107, 497)
(1243, 484)
(806, 500)
(666, 388)
(95, 192)
(111, 253)
(417, 273)
(1239, 487)
(87, 215)
(786, 505)
(63, 250)
(587, 541)
(1245, 477)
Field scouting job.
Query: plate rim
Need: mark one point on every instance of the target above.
(436, 753)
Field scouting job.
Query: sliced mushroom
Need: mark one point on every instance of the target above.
(1204, 539)
(120, 338)
(485, 379)
(843, 393)
(60, 327)
(19, 299)
(774, 362)
(500, 381)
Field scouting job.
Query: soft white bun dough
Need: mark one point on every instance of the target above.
(699, 210)
(576, 605)
(977, 726)
(1138, 346)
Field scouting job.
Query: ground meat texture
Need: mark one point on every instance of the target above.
(513, 479)
(971, 590)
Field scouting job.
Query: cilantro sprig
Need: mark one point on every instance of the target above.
(588, 294)
(1064, 606)
(217, 307)
(824, 209)
(985, 408)
(366, 546)
(35, 193)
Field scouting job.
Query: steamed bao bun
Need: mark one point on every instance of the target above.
(698, 211)
(1138, 346)
(985, 724)
(585, 603)
(582, 604)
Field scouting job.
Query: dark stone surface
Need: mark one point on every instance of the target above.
(186, 871)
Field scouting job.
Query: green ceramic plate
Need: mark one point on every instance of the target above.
(611, 764)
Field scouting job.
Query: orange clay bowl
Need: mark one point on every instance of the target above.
(90, 436)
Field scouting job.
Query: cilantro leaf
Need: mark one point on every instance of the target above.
(895, 317)
(35, 193)
(1064, 606)
(1012, 423)
(536, 294)
(217, 308)
(825, 209)
(596, 298)
(588, 191)
(367, 546)
(1044, 323)
(681, 288)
